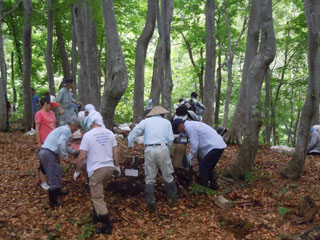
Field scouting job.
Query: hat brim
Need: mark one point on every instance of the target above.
(157, 110)
(54, 104)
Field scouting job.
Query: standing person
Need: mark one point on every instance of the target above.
(65, 100)
(45, 122)
(99, 148)
(35, 102)
(57, 143)
(158, 139)
(204, 141)
(8, 108)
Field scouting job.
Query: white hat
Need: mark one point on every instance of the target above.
(77, 134)
(157, 110)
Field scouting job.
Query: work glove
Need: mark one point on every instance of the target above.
(190, 159)
(118, 170)
(76, 175)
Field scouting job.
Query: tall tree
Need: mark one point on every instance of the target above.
(3, 114)
(141, 51)
(208, 90)
(255, 77)
(295, 166)
(27, 63)
(116, 81)
(50, 76)
(156, 84)
(234, 133)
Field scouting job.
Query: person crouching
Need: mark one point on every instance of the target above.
(57, 143)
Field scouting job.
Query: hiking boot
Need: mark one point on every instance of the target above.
(53, 198)
(62, 192)
(171, 190)
(94, 217)
(106, 227)
(150, 198)
(213, 181)
(203, 180)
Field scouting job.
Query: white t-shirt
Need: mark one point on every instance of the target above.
(99, 143)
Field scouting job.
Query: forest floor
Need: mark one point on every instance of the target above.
(265, 205)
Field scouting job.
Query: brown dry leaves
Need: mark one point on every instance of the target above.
(259, 211)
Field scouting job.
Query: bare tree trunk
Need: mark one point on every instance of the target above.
(62, 50)
(208, 90)
(295, 166)
(74, 54)
(218, 91)
(267, 108)
(255, 77)
(3, 112)
(141, 51)
(156, 85)
(13, 85)
(234, 133)
(27, 63)
(50, 76)
(167, 85)
(116, 74)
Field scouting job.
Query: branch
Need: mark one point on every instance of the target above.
(11, 11)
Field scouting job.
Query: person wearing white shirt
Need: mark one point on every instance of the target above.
(99, 148)
(158, 139)
(206, 142)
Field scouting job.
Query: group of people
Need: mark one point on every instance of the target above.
(96, 151)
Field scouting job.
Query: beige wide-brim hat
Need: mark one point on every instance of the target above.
(157, 110)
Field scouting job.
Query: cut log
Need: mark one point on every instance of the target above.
(222, 203)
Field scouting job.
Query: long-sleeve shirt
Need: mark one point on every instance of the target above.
(203, 138)
(57, 141)
(156, 130)
(314, 144)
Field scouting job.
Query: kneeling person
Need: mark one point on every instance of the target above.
(99, 147)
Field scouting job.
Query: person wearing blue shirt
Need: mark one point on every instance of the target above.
(206, 144)
(158, 139)
(56, 144)
(35, 102)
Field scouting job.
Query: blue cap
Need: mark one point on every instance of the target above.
(175, 124)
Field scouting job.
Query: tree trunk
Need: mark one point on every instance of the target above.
(295, 166)
(267, 108)
(62, 50)
(13, 85)
(141, 51)
(234, 133)
(218, 91)
(208, 90)
(255, 77)
(48, 59)
(27, 63)
(74, 54)
(155, 84)
(3, 110)
(116, 73)
(167, 85)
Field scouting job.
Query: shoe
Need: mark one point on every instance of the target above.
(213, 180)
(62, 192)
(106, 227)
(53, 198)
(45, 186)
(151, 208)
(94, 217)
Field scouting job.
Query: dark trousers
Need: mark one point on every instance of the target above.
(51, 163)
(209, 161)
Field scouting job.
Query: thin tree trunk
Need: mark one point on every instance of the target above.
(218, 91)
(141, 51)
(27, 63)
(155, 84)
(48, 59)
(255, 77)
(267, 108)
(13, 85)
(62, 50)
(74, 54)
(208, 90)
(3, 112)
(116, 74)
(295, 166)
(234, 133)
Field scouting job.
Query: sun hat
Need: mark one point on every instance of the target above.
(157, 110)
(77, 134)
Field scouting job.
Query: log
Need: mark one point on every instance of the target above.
(310, 234)
(222, 203)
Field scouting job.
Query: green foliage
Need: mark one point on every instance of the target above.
(197, 189)
(87, 232)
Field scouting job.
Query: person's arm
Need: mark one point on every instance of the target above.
(136, 132)
(194, 142)
(38, 135)
(115, 151)
(59, 100)
(81, 160)
(170, 136)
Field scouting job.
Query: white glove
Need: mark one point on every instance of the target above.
(118, 170)
(190, 159)
(76, 175)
